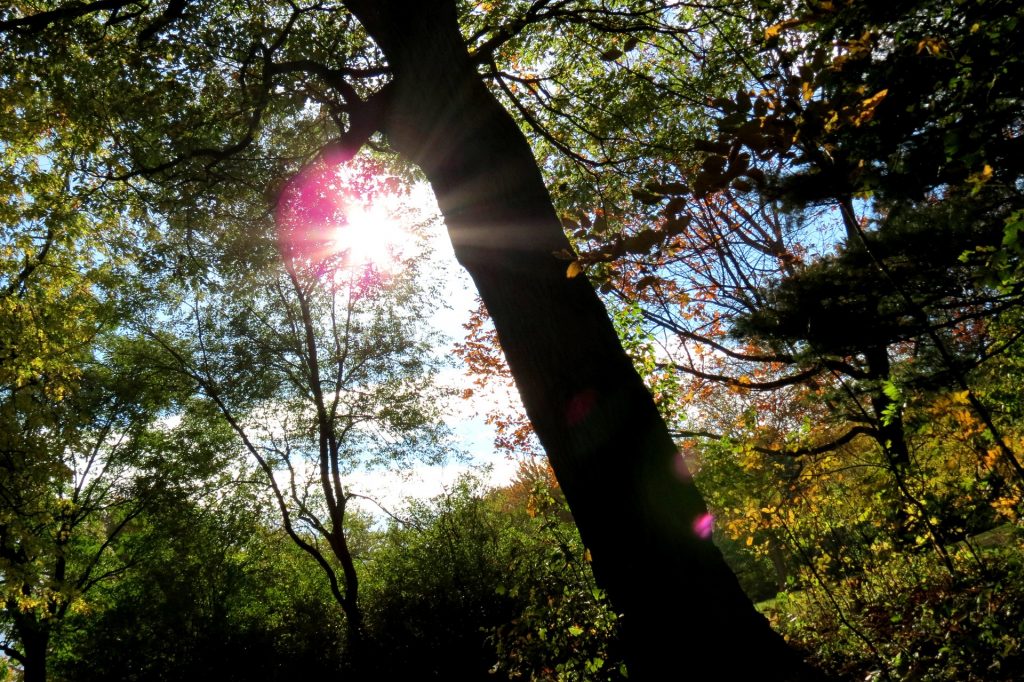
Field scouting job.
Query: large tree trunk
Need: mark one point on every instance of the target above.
(635, 505)
(35, 640)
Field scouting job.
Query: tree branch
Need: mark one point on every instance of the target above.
(794, 452)
(35, 23)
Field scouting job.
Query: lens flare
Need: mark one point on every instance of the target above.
(703, 525)
(369, 236)
(331, 218)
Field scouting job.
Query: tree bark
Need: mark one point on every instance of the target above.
(633, 500)
(35, 640)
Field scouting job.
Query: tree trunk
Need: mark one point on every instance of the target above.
(634, 503)
(35, 640)
(888, 415)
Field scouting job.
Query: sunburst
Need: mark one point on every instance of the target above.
(370, 235)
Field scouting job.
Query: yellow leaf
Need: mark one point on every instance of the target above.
(976, 180)
(932, 46)
(808, 91)
(833, 121)
(574, 269)
(750, 540)
(868, 107)
(875, 98)
(778, 28)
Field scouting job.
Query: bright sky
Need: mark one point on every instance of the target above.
(466, 418)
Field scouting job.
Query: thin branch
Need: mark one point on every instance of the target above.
(772, 385)
(395, 517)
(788, 452)
(587, 164)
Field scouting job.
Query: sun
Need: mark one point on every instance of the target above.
(369, 235)
(348, 218)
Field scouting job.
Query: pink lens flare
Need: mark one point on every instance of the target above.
(681, 466)
(579, 406)
(310, 204)
(330, 216)
(703, 525)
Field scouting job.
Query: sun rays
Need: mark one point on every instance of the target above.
(332, 218)
(371, 235)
